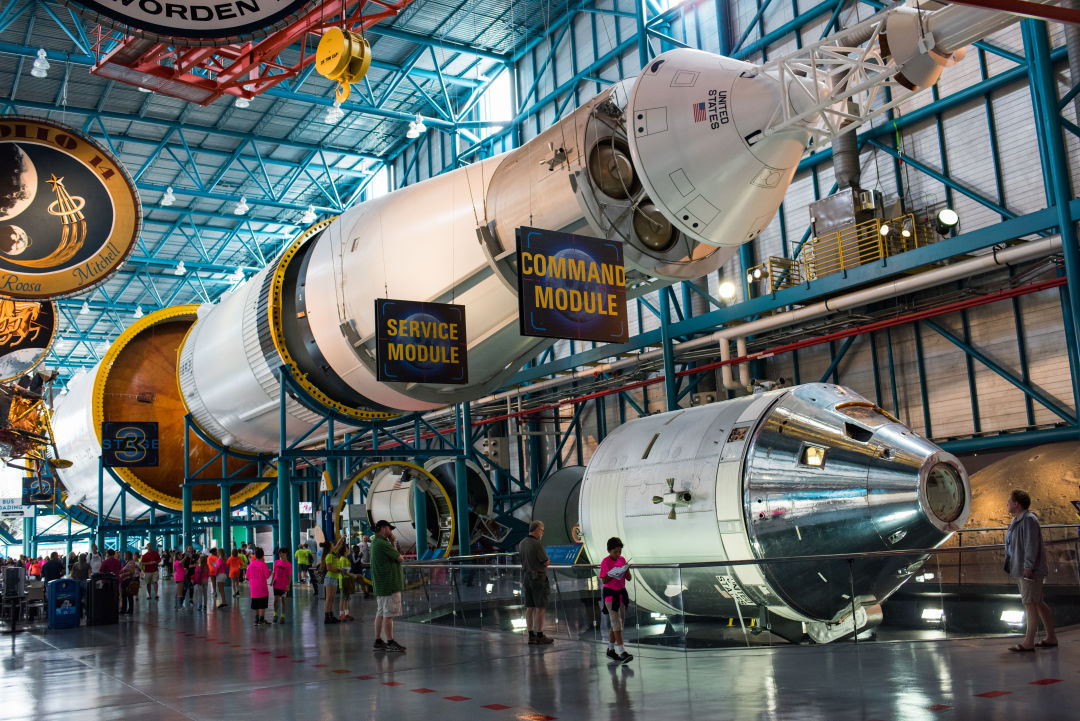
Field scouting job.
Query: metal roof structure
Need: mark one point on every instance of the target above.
(434, 59)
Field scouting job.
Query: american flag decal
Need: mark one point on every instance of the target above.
(699, 113)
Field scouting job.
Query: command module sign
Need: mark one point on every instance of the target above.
(571, 286)
(420, 342)
(129, 444)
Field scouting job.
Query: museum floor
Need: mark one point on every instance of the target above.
(167, 666)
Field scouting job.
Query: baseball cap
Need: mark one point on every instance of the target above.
(384, 524)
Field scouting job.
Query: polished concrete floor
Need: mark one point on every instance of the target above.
(166, 666)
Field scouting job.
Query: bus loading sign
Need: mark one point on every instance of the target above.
(571, 286)
(420, 342)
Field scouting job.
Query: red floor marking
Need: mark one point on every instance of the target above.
(457, 698)
(538, 717)
(496, 707)
(284, 655)
(938, 707)
(391, 683)
(342, 670)
(321, 665)
(1045, 681)
(422, 690)
(993, 694)
(365, 678)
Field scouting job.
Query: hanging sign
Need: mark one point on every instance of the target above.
(194, 22)
(129, 444)
(69, 213)
(571, 286)
(11, 507)
(38, 490)
(420, 342)
(26, 332)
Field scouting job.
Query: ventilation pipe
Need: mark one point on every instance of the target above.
(845, 158)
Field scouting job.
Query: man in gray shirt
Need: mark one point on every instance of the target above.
(1025, 560)
(534, 582)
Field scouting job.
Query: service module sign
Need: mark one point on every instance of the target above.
(129, 444)
(420, 342)
(69, 213)
(571, 286)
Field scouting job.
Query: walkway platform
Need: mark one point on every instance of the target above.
(168, 666)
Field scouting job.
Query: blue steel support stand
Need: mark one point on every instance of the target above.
(670, 392)
(284, 503)
(121, 537)
(294, 527)
(67, 544)
(29, 530)
(99, 524)
(1045, 102)
(461, 502)
(419, 499)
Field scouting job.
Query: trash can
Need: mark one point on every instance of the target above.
(62, 600)
(102, 600)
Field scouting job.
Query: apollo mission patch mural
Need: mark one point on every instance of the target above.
(69, 213)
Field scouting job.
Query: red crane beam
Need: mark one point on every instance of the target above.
(203, 74)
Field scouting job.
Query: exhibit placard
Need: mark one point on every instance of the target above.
(11, 507)
(571, 286)
(129, 443)
(420, 342)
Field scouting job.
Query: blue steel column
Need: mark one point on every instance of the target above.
(29, 528)
(122, 538)
(461, 478)
(419, 499)
(284, 503)
(1043, 83)
(226, 519)
(185, 519)
(670, 394)
(294, 526)
(642, 33)
(99, 530)
(67, 545)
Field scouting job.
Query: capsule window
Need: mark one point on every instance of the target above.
(813, 456)
(857, 433)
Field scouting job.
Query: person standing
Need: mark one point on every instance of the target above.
(111, 564)
(282, 578)
(53, 568)
(258, 573)
(178, 575)
(332, 579)
(534, 563)
(388, 578)
(236, 571)
(303, 563)
(1025, 560)
(615, 598)
(95, 559)
(81, 570)
(129, 583)
(150, 562)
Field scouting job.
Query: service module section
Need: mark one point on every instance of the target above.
(131, 443)
(571, 286)
(420, 342)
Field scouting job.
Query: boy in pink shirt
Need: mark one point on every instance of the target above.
(614, 572)
(258, 573)
(282, 577)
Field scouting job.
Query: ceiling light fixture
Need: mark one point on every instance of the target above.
(727, 290)
(85, 310)
(416, 128)
(242, 207)
(168, 199)
(237, 276)
(241, 102)
(180, 269)
(309, 216)
(138, 312)
(145, 90)
(334, 113)
(40, 68)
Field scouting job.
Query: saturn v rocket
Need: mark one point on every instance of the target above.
(683, 164)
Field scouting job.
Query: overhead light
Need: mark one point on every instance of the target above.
(416, 128)
(180, 269)
(242, 207)
(749, 277)
(241, 102)
(168, 199)
(757, 273)
(85, 310)
(947, 222)
(237, 276)
(334, 113)
(40, 68)
(144, 90)
(138, 312)
(885, 229)
(727, 290)
(309, 216)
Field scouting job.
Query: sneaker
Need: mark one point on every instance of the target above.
(379, 645)
(612, 655)
(393, 645)
(625, 657)
(281, 619)
(542, 640)
(348, 617)
(331, 619)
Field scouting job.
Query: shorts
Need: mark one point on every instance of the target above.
(150, 578)
(617, 619)
(388, 606)
(221, 577)
(536, 587)
(279, 592)
(1031, 590)
(330, 582)
(260, 604)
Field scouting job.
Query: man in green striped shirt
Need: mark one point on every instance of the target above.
(388, 578)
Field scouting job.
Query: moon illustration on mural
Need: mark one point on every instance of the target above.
(18, 181)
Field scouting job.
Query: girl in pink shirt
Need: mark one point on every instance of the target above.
(282, 577)
(178, 576)
(258, 574)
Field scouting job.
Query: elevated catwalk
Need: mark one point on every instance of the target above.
(167, 667)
